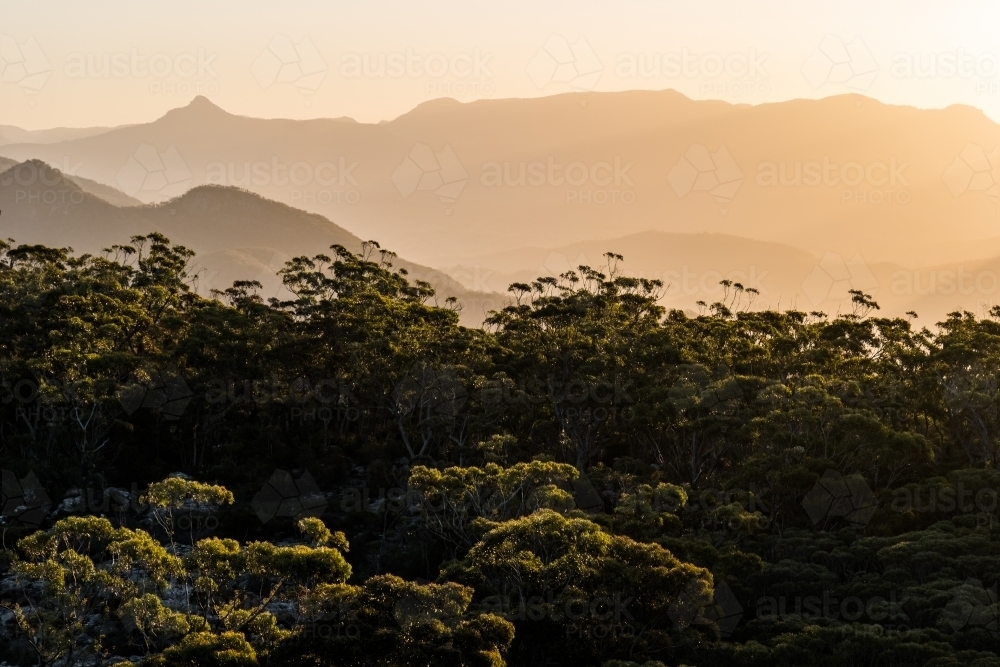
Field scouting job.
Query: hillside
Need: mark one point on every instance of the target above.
(99, 190)
(445, 182)
(10, 134)
(691, 266)
(236, 234)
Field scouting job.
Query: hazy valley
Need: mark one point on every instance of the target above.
(801, 200)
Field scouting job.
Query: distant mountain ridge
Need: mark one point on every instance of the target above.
(447, 180)
(808, 198)
(237, 235)
(107, 193)
(691, 267)
(10, 134)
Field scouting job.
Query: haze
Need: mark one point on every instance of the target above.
(801, 150)
(215, 49)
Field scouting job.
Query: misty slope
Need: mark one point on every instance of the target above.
(910, 185)
(107, 193)
(236, 234)
(10, 134)
(691, 266)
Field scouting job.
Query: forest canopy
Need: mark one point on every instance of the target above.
(348, 476)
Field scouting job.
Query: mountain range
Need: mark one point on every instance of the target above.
(448, 181)
(805, 198)
(237, 235)
(9, 134)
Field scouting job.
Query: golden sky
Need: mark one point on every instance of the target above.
(111, 62)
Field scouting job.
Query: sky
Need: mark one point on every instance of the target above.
(107, 62)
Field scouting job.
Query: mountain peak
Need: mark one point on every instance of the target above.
(31, 172)
(199, 107)
(201, 102)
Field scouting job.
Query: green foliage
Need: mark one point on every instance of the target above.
(587, 480)
(650, 511)
(453, 499)
(175, 493)
(320, 536)
(227, 649)
(563, 579)
(172, 493)
(389, 621)
(85, 566)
